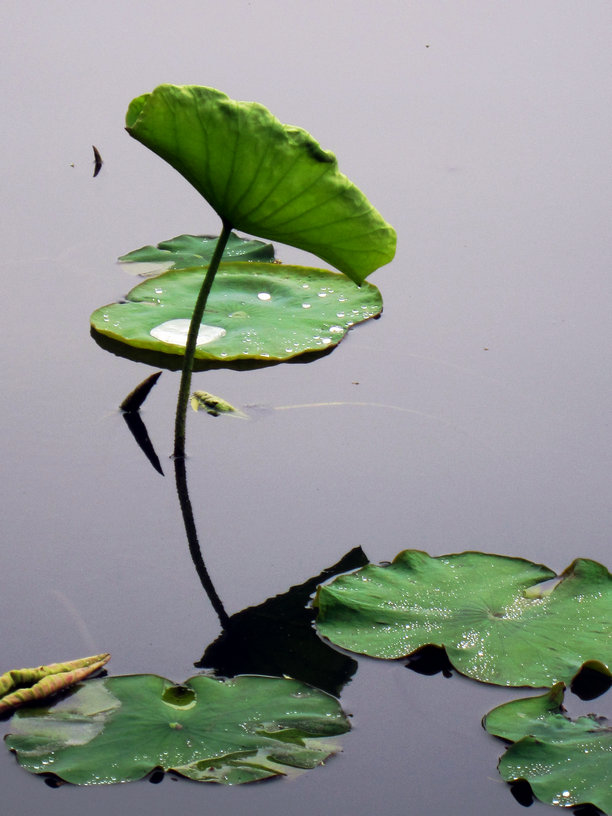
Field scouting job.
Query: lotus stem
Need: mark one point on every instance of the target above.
(192, 337)
(180, 473)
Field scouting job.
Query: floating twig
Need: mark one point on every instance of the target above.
(135, 398)
(97, 161)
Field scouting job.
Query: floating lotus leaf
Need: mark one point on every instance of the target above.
(120, 728)
(487, 611)
(255, 311)
(193, 250)
(20, 686)
(263, 177)
(566, 762)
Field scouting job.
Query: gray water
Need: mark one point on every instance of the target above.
(481, 131)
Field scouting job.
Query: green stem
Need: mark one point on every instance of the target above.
(192, 337)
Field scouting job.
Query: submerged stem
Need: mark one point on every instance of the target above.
(192, 337)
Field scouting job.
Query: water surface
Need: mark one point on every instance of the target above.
(481, 133)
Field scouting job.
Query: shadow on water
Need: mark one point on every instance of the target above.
(430, 660)
(590, 682)
(174, 362)
(139, 431)
(277, 637)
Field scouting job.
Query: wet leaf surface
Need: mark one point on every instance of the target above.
(566, 762)
(488, 611)
(255, 311)
(119, 729)
(192, 250)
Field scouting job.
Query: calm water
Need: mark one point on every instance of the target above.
(481, 131)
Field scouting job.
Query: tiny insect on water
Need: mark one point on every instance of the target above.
(97, 161)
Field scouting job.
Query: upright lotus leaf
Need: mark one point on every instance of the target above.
(566, 762)
(193, 250)
(263, 177)
(20, 686)
(487, 611)
(255, 311)
(120, 728)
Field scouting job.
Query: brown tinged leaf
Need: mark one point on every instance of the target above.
(203, 401)
(21, 686)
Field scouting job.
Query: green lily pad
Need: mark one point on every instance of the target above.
(566, 762)
(255, 311)
(120, 728)
(262, 177)
(487, 611)
(193, 250)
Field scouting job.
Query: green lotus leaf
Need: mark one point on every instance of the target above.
(485, 610)
(255, 311)
(566, 762)
(119, 729)
(263, 177)
(193, 250)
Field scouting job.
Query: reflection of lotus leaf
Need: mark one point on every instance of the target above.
(193, 250)
(255, 311)
(263, 177)
(486, 610)
(121, 728)
(566, 762)
(277, 637)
